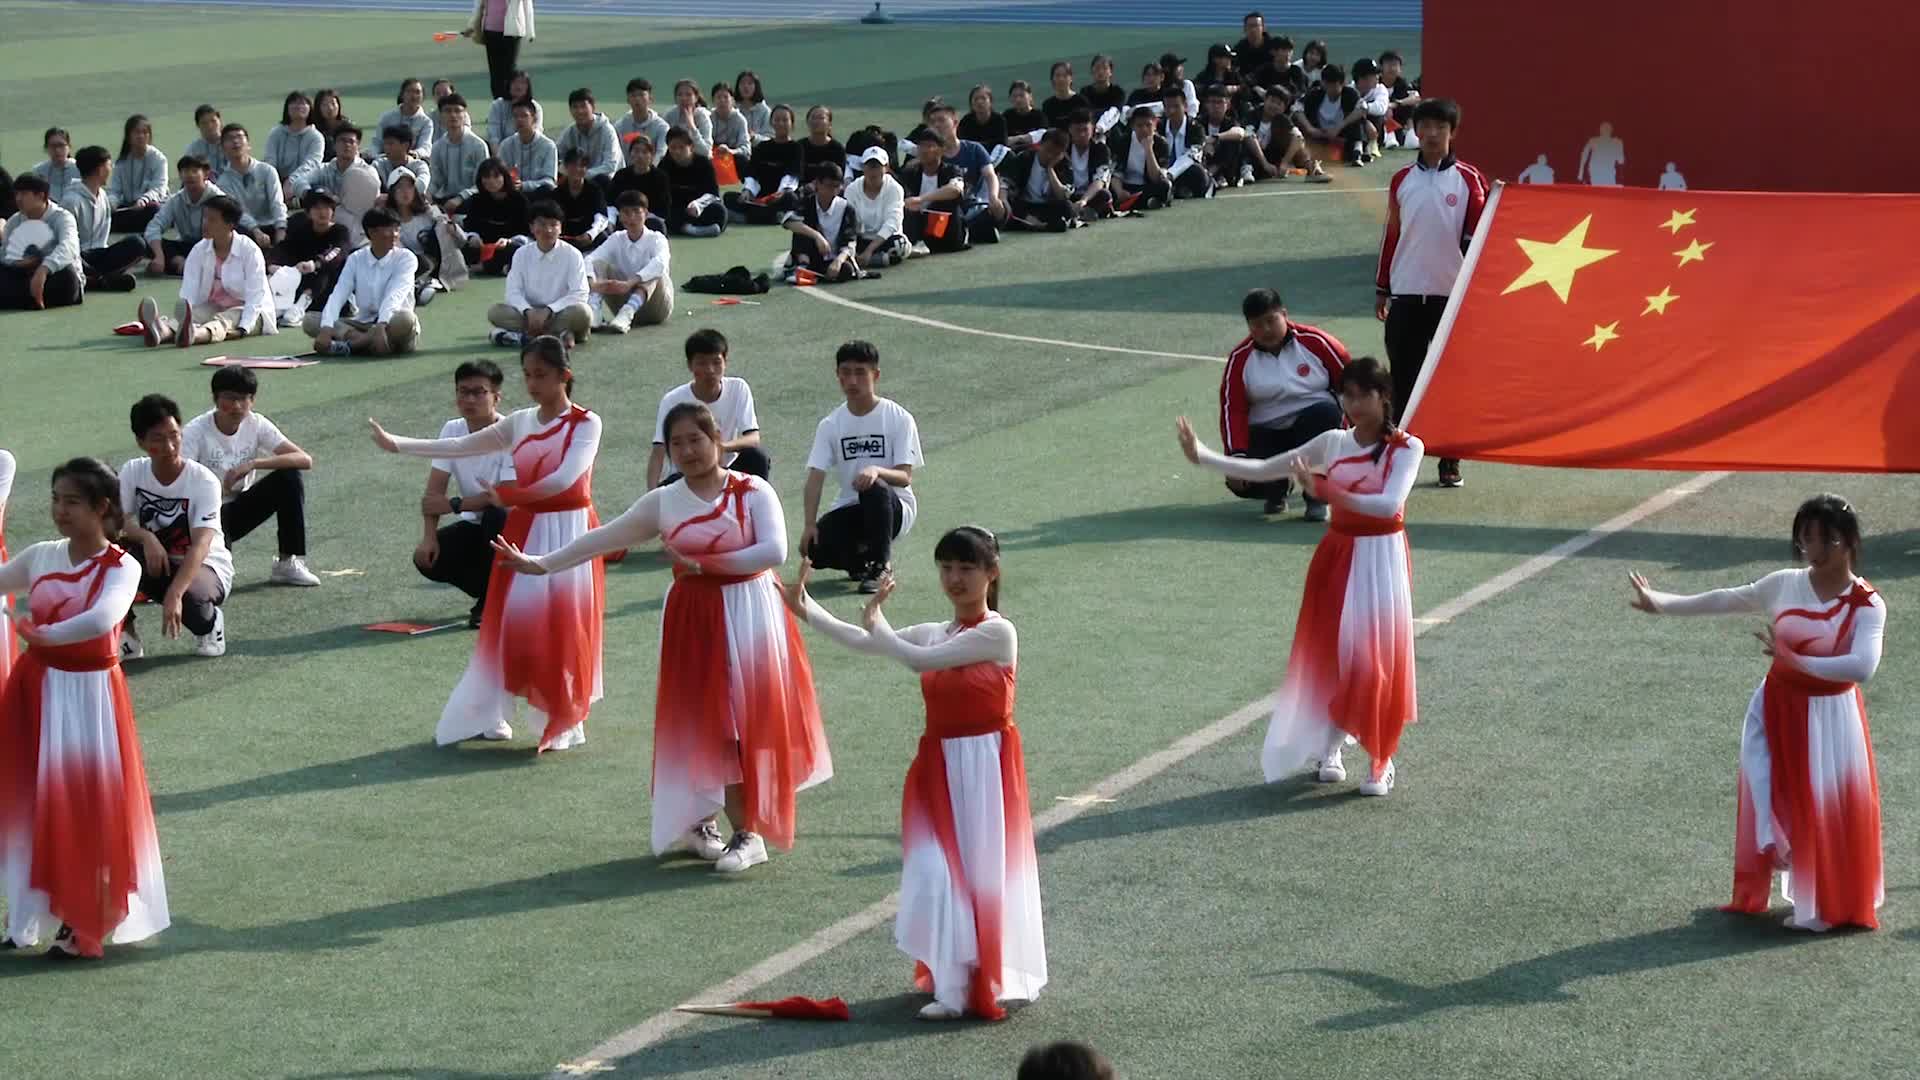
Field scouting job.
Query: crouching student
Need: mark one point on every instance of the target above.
(873, 445)
(631, 270)
(460, 552)
(1277, 394)
(546, 288)
(727, 397)
(223, 286)
(379, 281)
(824, 230)
(1275, 146)
(259, 470)
(172, 524)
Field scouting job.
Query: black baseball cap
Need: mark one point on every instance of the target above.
(318, 195)
(1169, 61)
(1218, 49)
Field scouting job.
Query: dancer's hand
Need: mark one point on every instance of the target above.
(871, 614)
(514, 559)
(380, 437)
(1189, 442)
(685, 564)
(795, 592)
(1305, 479)
(1767, 644)
(29, 633)
(1642, 600)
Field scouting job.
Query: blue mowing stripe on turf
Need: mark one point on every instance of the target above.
(1224, 14)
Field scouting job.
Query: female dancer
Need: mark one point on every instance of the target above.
(1809, 794)
(7, 643)
(539, 639)
(735, 722)
(1350, 672)
(77, 842)
(969, 885)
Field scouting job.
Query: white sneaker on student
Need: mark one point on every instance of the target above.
(297, 311)
(921, 248)
(622, 320)
(1382, 785)
(1332, 770)
(214, 641)
(937, 1010)
(292, 570)
(131, 647)
(744, 850)
(507, 339)
(150, 324)
(705, 841)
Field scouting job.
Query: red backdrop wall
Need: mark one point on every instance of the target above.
(1748, 95)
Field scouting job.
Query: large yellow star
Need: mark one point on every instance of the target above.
(1694, 252)
(1602, 335)
(1556, 263)
(1680, 220)
(1657, 305)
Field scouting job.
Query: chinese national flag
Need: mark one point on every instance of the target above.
(1633, 328)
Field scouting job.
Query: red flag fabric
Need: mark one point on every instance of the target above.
(1633, 328)
(802, 1008)
(726, 172)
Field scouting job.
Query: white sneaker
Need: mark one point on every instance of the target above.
(622, 320)
(507, 339)
(131, 647)
(744, 850)
(935, 1010)
(1332, 769)
(1382, 785)
(292, 570)
(214, 641)
(921, 248)
(705, 841)
(151, 326)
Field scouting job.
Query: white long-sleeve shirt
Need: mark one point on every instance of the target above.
(1792, 591)
(383, 286)
(1400, 465)
(660, 510)
(109, 608)
(621, 257)
(880, 216)
(925, 646)
(243, 274)
(554, 280)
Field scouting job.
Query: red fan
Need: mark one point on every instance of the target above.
(793, 1008)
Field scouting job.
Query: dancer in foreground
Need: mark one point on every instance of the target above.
(735, 722)
(8, 644)
(1350, 672)
(1809, 794)
(78, 849)
(539, 637)
(969, 884)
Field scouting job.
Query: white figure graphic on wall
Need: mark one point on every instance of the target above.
(1537, 173)
(1671, 180)
(1599, 159)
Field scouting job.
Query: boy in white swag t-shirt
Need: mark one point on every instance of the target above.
(873, 445)
(730, 400)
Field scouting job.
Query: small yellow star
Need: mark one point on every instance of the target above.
(1680, 220)
(1657, 305)
(1602, 335)
(1556, 263)
(1694, 252)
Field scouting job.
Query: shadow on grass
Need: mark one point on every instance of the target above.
(744, 1044)
(415, 761)
(1710, 935)
(414, 1074)
(1170, 293)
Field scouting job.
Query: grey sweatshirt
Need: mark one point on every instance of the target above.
(185, 215)
(139, 177)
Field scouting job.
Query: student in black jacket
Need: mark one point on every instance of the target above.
(317, 246)
(693, 193)
(1331, 113)
(824, 227)
(1022, 118)
(771, 174)
(1039, 198)
(1184, 137)
(1104, 93)
(1087, 169)
(496, 215)
(1140, 160)
(1064, 99)
(642, 176)
(1224, 140)
(820, 147)
(583, 208)
(980, 123)
(933, 186)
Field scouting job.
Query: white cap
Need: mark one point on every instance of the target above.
(873, 153)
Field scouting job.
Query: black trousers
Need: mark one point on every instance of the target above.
(752, 461)
(1154, 193)
(678, 218)
(115, 258)
(915, 224)
(197, 605)
(859, 538)
(1265, 441)
(280, 495)
(466, 554)
(1195, 183)
(1227, 157)
(1411, 323)
(133, 219)
(503, 54)
(1050, 213)
(61, 290)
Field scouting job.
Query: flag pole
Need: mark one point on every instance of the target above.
(1454, 300)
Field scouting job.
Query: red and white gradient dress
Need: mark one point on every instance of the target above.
(77, 840)
(735, 703)
(1350, 671)
(539, 636)
(9, 645)
(969, 881)
(1809, 794)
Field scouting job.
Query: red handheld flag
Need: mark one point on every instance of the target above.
(792, 1008)
(726, 172)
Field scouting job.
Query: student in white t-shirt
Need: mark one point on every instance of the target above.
(172, 523)
(727, 397)
(460, 553)
(259, 470)
(873, 445)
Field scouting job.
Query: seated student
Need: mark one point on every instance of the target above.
(1153, 79)
(1375, 103)
(39, 251)
(353, 183)
(1312, 62)
(259, 471)
(1402, 96)
(206, 145)
(1174, 74)
(1104, 94)
(378, 280)
(1219, 72)
(1186, 145)
(985, 207)
(60, 171)
(730, 130)
(409, 111)
(295, 147)
(1024, 122)
(546, 287)
(727, 397)
(631, 269)
(315, 248)
(1064, 98)
(1256, 49)
(456, 156)
(1278, 393)
(104, 261)
(820, 147)
(1275, 145)
(460, 553)
(396, 154)
(879, 209)
(1141, 157)
(500, 123)
(640, 118)
(583, 209)
(496, 216)
(1223, 141)
(931, 186)
(420, 225)
(641, 176)
(750, 97)
(1281, 70)
(328, 115)
(139, 183)
(172, 523)
(593, 134)
(693, 193)
(223, 286)
(527, 154)
(254, 184)
(771, 175)
(1087, 169)
(824, 229)
(441, 87)
(873, 445)
(184, 213)
(689, 112)
(980, 123)
(1331, 113)
(867, 138)
(1041, 200)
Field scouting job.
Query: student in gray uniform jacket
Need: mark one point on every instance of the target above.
(295, 147)
(690, 111)
(500, 114)
(396, 146)
(640, 118)
(182, 213)
(139, 184)
(729, 123)
(104, 263)
(408, 112)
(255, 185)
(751, 99)
(59, 170)
(457, 155)
(527, 154)
(39, 252)
(592, 133)
(206, 145)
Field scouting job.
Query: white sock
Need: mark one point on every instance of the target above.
(634, 302)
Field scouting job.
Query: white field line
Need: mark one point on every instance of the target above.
(660, 1025)
(819, 293)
